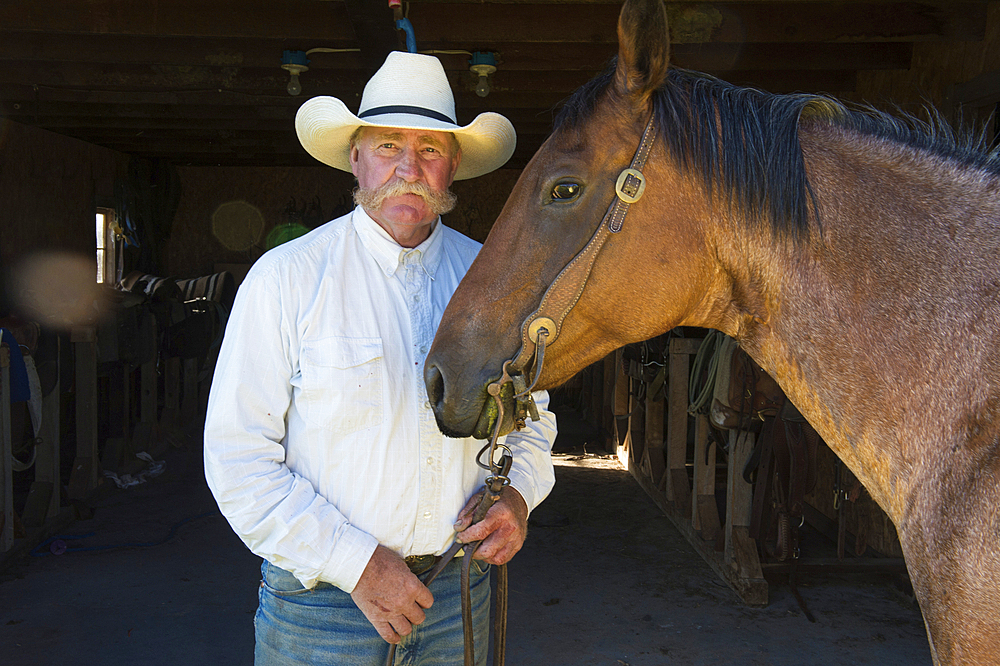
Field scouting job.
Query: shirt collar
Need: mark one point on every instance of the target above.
(388, 254)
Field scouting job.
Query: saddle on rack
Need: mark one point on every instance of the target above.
(782, 467)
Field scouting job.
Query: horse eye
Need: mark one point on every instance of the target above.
(564, 191)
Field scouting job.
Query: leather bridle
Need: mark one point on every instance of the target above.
(543, 326)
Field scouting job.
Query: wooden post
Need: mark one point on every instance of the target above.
(6, 455)
(636, 436)
(189, 390)
(691, 507)
(170, 417)
(608, 407)
(116, 447)
(740, 552)
(678, 486)
(84, 477)
(623, 442)
(654, 440)
(146, 429)
(42, 504)
(705, 514)
(597, 395)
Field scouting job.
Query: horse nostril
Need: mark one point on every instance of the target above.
(435, 385)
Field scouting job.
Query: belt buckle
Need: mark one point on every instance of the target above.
(418, 564)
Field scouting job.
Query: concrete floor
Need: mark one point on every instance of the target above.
(604, 579)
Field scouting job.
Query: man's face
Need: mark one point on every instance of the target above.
(386, 156)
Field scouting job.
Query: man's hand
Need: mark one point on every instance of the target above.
(391, 597)
(502, 531)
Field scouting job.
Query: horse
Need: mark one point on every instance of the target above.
(854, 255)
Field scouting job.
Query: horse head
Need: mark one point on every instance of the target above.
(553, 213)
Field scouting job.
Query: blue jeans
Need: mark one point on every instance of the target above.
(324, 627)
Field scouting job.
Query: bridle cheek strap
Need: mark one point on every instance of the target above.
(565, 290)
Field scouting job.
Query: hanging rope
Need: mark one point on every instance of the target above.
(707, 358)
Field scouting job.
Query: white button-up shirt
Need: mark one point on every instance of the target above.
(320, 442)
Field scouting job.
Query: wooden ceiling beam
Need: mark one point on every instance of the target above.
(475, 23)
(91, 76)
(302, 19)
(269, 85)
(55, 48)
(735, 22)
(44, 49)
(533, 57)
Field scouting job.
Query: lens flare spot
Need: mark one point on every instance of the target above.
(238, 225)
(58, 289)
(284, 233)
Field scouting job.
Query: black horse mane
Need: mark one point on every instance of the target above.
(746, 141)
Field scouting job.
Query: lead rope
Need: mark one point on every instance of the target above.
(494, 485)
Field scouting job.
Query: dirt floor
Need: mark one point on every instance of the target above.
(158, 578)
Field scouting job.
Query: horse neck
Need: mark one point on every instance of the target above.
(860, 323)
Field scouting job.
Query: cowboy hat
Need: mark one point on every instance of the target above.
(409, 91)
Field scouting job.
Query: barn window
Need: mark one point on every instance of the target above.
(105, 245)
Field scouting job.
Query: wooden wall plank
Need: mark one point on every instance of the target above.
(6, 456)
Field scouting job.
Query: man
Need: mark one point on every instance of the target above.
(320, 445)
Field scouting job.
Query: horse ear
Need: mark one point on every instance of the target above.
(643, 49)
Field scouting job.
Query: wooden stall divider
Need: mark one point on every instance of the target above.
(86, 465)
(653, 454)
(147, 430)
(678, 486)
(621, 407)
(661, 466)
(6, 455)
(740, 552)
(189, 390)
(704, 511)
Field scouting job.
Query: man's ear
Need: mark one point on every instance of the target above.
(455, 161)
(352, 156)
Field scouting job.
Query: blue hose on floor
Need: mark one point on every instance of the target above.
(56, 545)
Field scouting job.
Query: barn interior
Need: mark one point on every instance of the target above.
(148, 157)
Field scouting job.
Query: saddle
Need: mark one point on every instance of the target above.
(190, 314)
(744, 394)
(782, 467)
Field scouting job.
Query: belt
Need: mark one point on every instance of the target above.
(420, 564)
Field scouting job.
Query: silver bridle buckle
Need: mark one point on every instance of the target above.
(630, 185)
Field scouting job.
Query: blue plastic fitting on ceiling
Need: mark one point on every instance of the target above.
(294, 58)
(411, 39)
(483, 58)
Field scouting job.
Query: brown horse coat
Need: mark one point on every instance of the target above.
(870, 293)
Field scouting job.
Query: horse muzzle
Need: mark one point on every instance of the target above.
(504, 403)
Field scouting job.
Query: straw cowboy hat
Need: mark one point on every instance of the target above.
(409, 91)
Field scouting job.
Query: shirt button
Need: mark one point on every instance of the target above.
(427, 515)
(427, 404)
(423, 349)
(430, 461)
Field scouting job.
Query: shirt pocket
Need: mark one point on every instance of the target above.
(342, 383)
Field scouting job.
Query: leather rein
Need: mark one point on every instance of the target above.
(540, 328)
